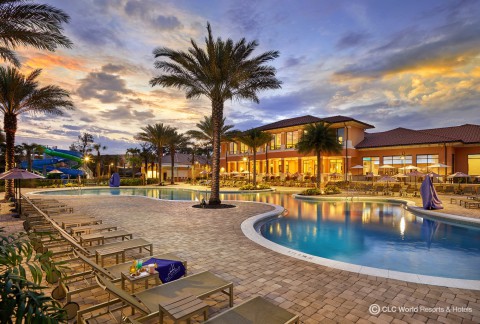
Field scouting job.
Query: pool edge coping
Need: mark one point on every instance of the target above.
(249, 229)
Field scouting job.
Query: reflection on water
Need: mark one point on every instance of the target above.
(374, 234)
(378, 235)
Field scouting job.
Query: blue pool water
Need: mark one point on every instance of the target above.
(373, 234)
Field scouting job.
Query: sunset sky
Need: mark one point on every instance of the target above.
(412, 64)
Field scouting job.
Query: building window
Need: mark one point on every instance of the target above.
(276, 142)
(474, 164)
(397, 160)
(292, 139)
(233, 148)
(340, 135)
(336, 166)
(243, 148)
(371, 164)
(427, 159)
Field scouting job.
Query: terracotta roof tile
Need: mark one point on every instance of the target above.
(307, 119)
(404, 136)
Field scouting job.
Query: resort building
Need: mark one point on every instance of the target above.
(183, 167)
(457, 147)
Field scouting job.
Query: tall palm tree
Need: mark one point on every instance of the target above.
(224, 70)
(20, 94)
(30, 24)
(175, 140)
(319, 138)
(255, 138)
(158, 135)
(97, 147)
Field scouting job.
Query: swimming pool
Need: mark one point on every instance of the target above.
(365, 233)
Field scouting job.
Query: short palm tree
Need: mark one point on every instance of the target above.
(20, 94)
(97, 147)
(175, 140)
(133, 157)
(158, 135)
(205, 130)
(224, 70)
(29, 150)
(30, 24)
(319, 138)
(254, 138)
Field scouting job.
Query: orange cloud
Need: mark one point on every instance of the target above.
(42, 61)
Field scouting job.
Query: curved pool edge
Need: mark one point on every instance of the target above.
(409, 205)
(250, 226)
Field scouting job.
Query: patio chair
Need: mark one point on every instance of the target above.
(200, 285)
(449, 190)
(256, 310)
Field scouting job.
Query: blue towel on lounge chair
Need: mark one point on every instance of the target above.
(168, 270)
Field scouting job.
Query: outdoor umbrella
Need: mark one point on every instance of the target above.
(400, 175)
(386, 166)
(358, 166)
(409, 167)
(415, 174)
(459, 175)
(440, 165)
(19, 174)
(55, 171)
(387, 179)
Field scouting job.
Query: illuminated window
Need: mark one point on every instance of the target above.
(243, 148)
(276, 142)
(340, 135)
(397, 160)
(292, 139)
(336, 166)
(233, 148)
(371, 164)
(427, 159)
(474, 164)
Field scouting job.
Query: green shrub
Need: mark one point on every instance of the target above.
(250, 186)
(131, 182)
(23, 300)
(332, 190)
(311, 192)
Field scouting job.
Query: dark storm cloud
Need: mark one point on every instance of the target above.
(73, 127)
(113, 68)
(452, 45)
(126, 113)
(293, 61)
(352, 39)
(145, 11)
(87, 119)
(105, 87)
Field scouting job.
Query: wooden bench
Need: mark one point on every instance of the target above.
(100, 237)
(472, 204)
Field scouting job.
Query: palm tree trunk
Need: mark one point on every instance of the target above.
(10, 127)
(319, 170)
(159, 168)
(254, 166)
(172, 160)
(217, 118)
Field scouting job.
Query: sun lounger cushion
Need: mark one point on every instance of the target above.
(168, 270)
(255, 311)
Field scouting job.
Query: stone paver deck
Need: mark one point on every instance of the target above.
(212, 240)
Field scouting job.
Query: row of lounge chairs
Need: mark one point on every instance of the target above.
(86, 242)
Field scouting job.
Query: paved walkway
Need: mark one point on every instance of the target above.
(212, 240)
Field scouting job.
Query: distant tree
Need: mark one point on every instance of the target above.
(83, 144)
(156, 134)
(19, 94)
(97, 147)
(319, 138)
(30, 24)
(175, 140)
(223, 71)
(254, 139)
(133, 158)
(29, 151)
(146, 153)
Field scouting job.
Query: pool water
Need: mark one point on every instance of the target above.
(374, 234)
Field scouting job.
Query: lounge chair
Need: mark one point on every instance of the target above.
(200, 285)
(255, 311)
(88, 229)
